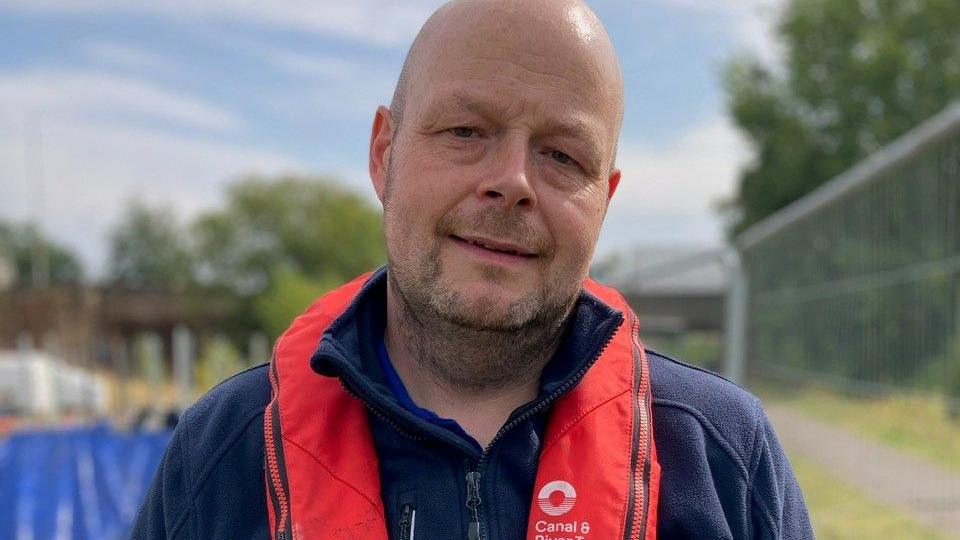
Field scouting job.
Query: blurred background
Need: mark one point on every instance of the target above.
(179, 179)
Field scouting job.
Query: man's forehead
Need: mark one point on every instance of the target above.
(535, 52)
(513, 76)
(540, 35)
(532, 42)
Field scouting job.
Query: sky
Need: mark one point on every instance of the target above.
(105, 102)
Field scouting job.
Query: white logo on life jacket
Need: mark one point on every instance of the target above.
(564, 505)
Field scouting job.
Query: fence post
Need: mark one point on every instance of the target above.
(183, 365)
(24, 342)
(258, 349)
(735, 324)
(120, 363)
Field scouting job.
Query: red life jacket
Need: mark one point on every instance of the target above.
(598, 475)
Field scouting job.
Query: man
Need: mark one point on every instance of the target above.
(480, 386)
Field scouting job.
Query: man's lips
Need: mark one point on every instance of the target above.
(495, 246)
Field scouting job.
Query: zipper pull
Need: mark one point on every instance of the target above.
(408, 520)
(473, 503)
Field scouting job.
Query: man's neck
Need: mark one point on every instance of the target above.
(425, 352)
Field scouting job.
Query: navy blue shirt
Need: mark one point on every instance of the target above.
(723, 473)
(399, 391)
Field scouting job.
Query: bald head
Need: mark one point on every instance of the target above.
(496, 182)
(566, 29)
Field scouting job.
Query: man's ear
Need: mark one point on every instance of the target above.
(381, 141)
(613, 182)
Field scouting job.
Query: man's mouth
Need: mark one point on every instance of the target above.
(496, 246)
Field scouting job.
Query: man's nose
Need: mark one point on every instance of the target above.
(508, 182)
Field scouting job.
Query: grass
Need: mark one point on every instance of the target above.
(915, 424)
(704, 349)
(841, 512)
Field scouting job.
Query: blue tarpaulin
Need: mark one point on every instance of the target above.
(75, 483)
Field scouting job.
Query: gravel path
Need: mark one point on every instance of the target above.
(929, 493)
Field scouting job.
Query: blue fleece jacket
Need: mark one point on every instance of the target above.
(724, 474)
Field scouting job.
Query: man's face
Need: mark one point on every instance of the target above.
(497, 181)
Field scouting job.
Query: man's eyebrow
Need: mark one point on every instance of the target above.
(437, 109)
(574, 126)
(463, 100)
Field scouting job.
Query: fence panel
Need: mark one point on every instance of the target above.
(75, 483)
(862, 290)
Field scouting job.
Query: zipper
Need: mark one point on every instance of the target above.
(473, 503)
(567, 385)
(346, 378)
(408, 522)
(378, 411)
(639, 480)
(273, 455)
(277, 492)
(644, 406)
(474, 531)
(475, 528)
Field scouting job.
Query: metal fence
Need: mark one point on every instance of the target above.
(858, 284)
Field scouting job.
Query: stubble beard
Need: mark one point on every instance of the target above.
(462, 353)
(473, 345)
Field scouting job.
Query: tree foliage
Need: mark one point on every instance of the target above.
(267, 252)
(149, 251)
(26, 247)
(263, 256)
(288, 296)
(856, 75)
(312, 227)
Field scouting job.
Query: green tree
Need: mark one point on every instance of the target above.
(313, 227)
(278, 243)
(288, 297)
(148, 250)
(857, 74)
(25, 247)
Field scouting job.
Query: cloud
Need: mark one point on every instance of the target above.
(93, 140)
(668, 194)
(751, 22)
(690, 174)
(123, 55)
(377, 22)
(88, 93)
(91, 171)
(625, 232)
(307, 63)
(334, 86)
(313, 65)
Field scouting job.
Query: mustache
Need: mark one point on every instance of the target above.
(505, 225)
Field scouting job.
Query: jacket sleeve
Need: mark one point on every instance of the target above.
(162, 514)
(777, 506)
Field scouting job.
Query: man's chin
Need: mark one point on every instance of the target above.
(485, 312)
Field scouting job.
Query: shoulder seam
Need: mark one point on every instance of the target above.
(714, 432)
(188, 474)
(195, 487)
(765, 513)
(760, 504)
(754, 454)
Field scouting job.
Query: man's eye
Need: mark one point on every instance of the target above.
(463, 132)
(561, 157)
